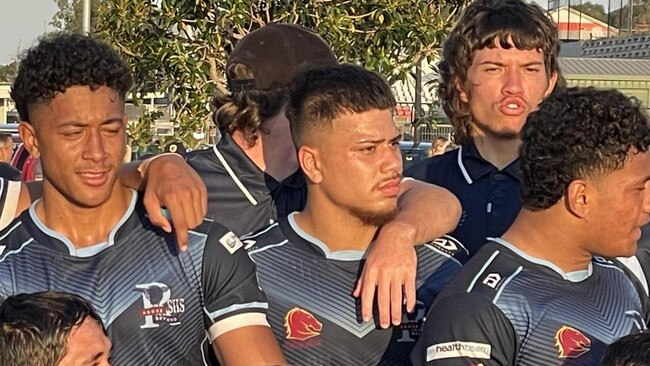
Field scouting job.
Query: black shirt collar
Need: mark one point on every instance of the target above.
(245, 167)
(475, 167)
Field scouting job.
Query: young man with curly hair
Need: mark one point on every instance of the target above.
(90, 236)
(548, 291)
(498, 63)
(51, 329)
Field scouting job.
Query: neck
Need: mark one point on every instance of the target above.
(83, 226)
(530, 233)
(499, 152)
(269, 159)
(335, 226)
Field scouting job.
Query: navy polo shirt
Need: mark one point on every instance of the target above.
(490, 197)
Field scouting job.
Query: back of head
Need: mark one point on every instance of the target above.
(483, 23)
(34, 328)
(319, 96)
(631, 350)
(578, 133)
(63, 60)
(260, 68)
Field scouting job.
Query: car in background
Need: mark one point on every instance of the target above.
(413, 153)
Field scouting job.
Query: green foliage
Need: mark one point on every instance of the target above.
(69, 16)
(620, 18)
(8, 72)
(141, 134)
(181, 46)
(593, 10)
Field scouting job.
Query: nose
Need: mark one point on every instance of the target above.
(392, 161)
(94, 148)
(512, 82)
(646, 198)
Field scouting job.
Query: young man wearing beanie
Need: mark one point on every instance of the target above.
(252, 173)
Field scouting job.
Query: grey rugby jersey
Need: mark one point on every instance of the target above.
(240, 195)
(507, 308)
(160, 307)
(312, 311)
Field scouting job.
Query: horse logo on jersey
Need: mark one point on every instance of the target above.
(571, 343)
(301, 325)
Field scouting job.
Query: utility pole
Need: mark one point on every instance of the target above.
(631, 11)
(86, 17)
(417, 133)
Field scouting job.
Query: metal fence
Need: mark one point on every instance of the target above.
(427, 133)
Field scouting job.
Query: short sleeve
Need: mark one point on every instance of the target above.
(9, 196)
(465, 330)
(232, 295)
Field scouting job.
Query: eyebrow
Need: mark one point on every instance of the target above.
(83, 124)
(94, 357)
(498, 63)
(379, 141)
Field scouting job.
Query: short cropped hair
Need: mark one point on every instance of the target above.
(5, 138)
(34, 328)
(482, 23)
(322, 95)
(578, 133)
(631, 350)
(63, 60)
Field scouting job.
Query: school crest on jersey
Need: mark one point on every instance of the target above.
(301, 325)
(158, 307)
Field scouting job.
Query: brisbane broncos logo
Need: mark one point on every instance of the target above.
(301, 325)
(571, 343)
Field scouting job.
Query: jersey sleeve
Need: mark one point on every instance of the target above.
(233, 298)
(465, 330)
(9, 196)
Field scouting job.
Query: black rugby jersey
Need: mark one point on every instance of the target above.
(507, 308)
(240, 195)
(156, 303)
(313, 314)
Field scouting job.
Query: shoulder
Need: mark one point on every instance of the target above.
(427, 169)
(269, 237)
(488, 273)
(201, 159)
(15, 234)
(447, 246)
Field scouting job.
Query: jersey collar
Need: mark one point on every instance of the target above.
(245, 173)
(575, 276)
(474, 166)
(297, 236)
(90, 250)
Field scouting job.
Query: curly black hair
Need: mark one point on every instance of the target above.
(578, 133)
(631, 350)
(63, 60)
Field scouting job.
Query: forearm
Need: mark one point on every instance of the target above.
(132, 174)
(426, 212)
(259, 342)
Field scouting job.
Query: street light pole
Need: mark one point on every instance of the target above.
(86, 17)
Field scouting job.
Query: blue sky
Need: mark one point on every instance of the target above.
(22, 22)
